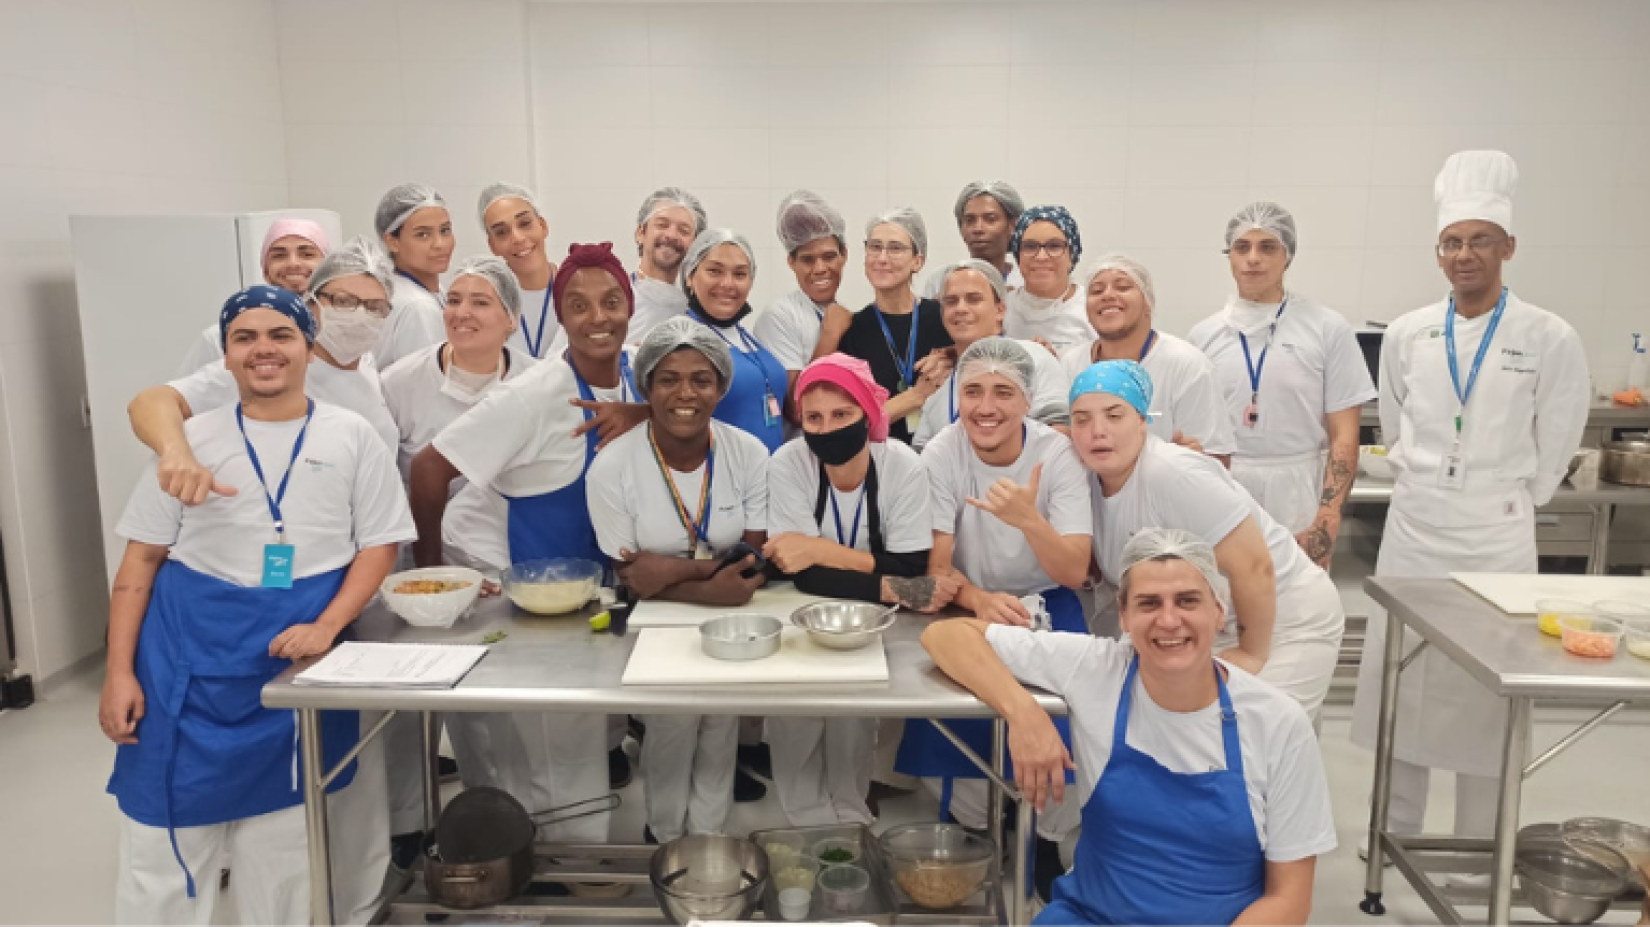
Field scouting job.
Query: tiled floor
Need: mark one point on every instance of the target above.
(57, 858)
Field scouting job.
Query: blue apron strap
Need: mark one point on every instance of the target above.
(1229, 728)
(179, 692)
(945, 798)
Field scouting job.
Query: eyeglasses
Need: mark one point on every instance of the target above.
(1053, 248)
(1481, 244)
(349, 301)
(1271, 247)
(894, 249)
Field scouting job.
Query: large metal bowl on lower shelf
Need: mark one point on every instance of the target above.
(708, 877)
(1569, 885)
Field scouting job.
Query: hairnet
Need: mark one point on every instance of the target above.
(666, 197)
(1119, 261)
(359, 255)
(1124, 379)
(1062, 219)
(852, 376)
(804, 216)
(999, 190)
(1157, 544)
(499, 191)
(707, 240)
(402, 202)
(906, 218)
(1267, 217)
(493, 270)
(673, 334)
(262, 296)
(991, 275)
(283, 228)
(997, 355)
(600, 257)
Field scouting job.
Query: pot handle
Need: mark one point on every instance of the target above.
(463, 876)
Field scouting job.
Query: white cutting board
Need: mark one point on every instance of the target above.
(672, 657)
(778, 601)
(1516, 593)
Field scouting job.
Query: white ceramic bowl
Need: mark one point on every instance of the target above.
(432, 609)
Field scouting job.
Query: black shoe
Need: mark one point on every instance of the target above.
(747, 789)
(618, 769)
(546, 890)
(1047, 868)
(647, 836)
(405, 849)
(635, 727)
(758, 759)
(446, 769)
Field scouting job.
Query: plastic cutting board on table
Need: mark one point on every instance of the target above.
(672, 657)
(1516, 593)
(778, 601)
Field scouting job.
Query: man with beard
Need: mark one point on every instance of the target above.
(669, 220)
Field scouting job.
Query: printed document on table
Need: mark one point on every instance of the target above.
(393, 666)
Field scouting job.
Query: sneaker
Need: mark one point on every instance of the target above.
(405, 850)
(1047, 868)
(757, 758)
(599, 889)
(647, 836)
(446, 769)
(1363, 853)
(1474, 880)
(618, 768)
(746, 789)
(635, 727)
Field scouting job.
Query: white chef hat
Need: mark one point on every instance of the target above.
(1476, 185)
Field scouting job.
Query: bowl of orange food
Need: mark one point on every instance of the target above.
(432, 597)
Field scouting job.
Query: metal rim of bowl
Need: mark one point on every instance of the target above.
(761, 636)
(887, 621)
(1613, 864)
(985, 849)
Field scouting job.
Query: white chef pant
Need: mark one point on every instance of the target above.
(822, 768)
(358, 835)
(553, 760)
(968, 806)
(404, 765)
(1288, 487)
(890, 731)
(1306, 639)
(1475, 801)
(688, 763)
(480, 741)
(617, 727)
(268, 853)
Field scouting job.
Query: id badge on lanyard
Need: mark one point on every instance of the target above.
(279, 556)
(1452, 469)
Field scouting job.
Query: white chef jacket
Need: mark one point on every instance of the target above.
(789, 329)
(993, 555)
(414, 322)
(343, 497)
(1050, 388)
(656, 301)
(358, 390)
(902, 499)
(1063, 324)
(536, 305)
(1184, 395)
(1315, 367)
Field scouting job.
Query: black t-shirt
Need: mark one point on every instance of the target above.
(866, 341)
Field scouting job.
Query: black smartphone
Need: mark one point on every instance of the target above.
(739, 552)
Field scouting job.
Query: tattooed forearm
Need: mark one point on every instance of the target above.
(914, 592)
(1317, 542)
(1337, 481)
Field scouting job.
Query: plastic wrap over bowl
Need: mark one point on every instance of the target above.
(552, 587)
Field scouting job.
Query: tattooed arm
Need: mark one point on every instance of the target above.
(122, 703)
(1318, 540)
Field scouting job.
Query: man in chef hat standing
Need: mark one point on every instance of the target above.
(1483, 397)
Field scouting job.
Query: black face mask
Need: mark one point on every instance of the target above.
(835, 448)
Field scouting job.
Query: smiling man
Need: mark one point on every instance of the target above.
(1203, 795)
(814, 236)
(667, 223)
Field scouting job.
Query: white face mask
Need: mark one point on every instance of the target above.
(466, 387)
(1250, 318)
(348, 333)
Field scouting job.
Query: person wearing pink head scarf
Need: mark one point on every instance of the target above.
(291, 251)
(847, 518)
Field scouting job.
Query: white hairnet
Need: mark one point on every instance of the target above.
(493, 270)
(359, 255)
(666, 197)
(673, 334)
(401, 202)
(998, 355)
(975, 264)
(707, 240)
(1267, 217)
(999, 190)
(502, 190)
(804, 216)
(1171, 544)
(906, 218)
(1119, 261)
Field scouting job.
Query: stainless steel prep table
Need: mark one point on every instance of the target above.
(560, 665)
(1511, 658)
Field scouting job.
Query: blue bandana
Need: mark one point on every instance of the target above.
(1124, 379)
(1060, 216)
(285, 302)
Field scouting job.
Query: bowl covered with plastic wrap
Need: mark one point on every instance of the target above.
(552, 587)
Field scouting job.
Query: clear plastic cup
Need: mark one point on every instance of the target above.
(843, 888)
(782, 848)
(1549, 611)
(1637, 637)
(1591, 637)
(836, 851)
(793, 904)
(795, 872)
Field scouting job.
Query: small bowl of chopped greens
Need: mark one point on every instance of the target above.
(836, 851)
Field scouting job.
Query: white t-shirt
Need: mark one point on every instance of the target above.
(414, 322)
(343, 497)
(1314, 368)
(476, 517)
(993, 555)
(207, 349)
(790, 329)
(536, 305)
(902, 499)
(1282, 766)
(1184, 395)
(656, 301)
(358, 390)
(1062, 323)
(632, 508)
(519, 438)
(1049, 388)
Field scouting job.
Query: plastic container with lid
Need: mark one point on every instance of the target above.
(1636, 634)
(1549, 611)
(1590, 637)
(843, 888)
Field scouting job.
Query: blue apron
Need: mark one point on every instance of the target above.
(1161, 847)
(757, 375)
(557, 524)
(208, 752)
(924, 751)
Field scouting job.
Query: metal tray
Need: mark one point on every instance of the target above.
(879, 907)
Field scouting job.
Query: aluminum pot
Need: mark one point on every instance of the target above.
(1625, 462)
(483, 852)
(467, 886)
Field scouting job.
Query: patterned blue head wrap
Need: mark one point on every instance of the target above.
(285, 302)
(1060, 216)
(1124, 379)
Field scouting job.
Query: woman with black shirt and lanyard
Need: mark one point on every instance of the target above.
(897, 333)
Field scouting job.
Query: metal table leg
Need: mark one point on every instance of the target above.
(1598, 554)
(430, 729)
(1381, 798)
(1514, 749)
(315, 817)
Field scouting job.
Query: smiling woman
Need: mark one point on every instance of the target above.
(717, 276)
(516, 231)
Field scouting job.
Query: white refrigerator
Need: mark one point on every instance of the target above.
(147, 286)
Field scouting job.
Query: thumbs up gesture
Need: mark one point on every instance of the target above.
(1013, 504)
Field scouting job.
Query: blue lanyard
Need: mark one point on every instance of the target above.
(859, 506)
(752, 352)
(1254, 368)
(1478, 360)
(1151, 338)
(401, 273)
(280, 493)
(907, 370)
(627, 381)
(953, 392)
(536, 345)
